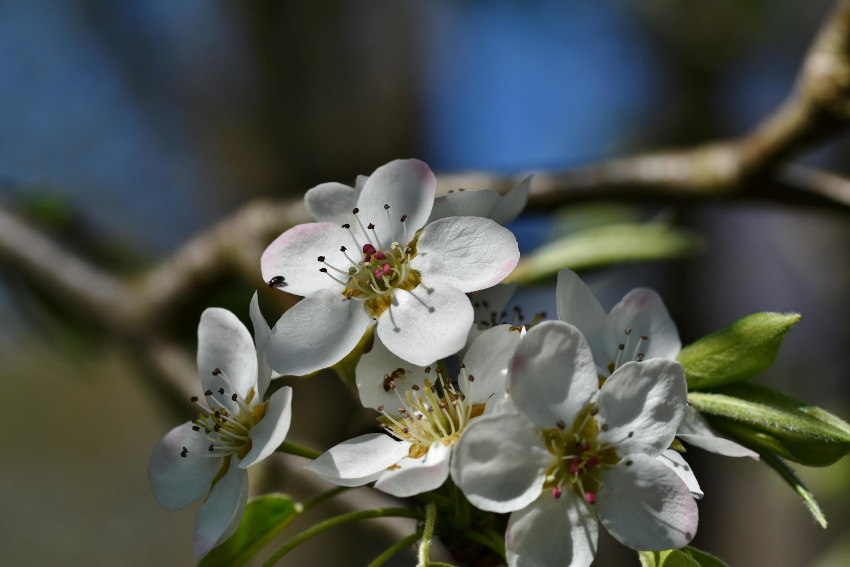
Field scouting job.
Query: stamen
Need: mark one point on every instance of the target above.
(334, 268)
(340, 282)
(389, 220)
(366, 234)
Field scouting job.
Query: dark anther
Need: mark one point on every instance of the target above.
(386, 207)
(631, 434)
(321, 258)
(356, 210)
(342, 248)
(193, 399)
(462, 365)
(217, 414)
(196, 428)
(427, 370)
(233, 397)
(221, 391)
(323, 270)
(471, 378)
(621, 347)
(370, 226)
(403, 218)
(644, 338)
(561, 425)
(628, 330)
(208, 393)
(346, 225)
(217, 428)
(216, 372)
(211, 448)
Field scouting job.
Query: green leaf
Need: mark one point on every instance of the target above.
(669, 558)
(603, 245)
(264, 517)
(788, 476)
(736, 352)
(766, 420)
(704, 559)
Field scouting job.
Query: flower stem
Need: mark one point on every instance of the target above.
(382, 558)
(293, 449)
(338, 521)
(427, 534)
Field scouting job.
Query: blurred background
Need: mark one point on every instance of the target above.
(127, 128)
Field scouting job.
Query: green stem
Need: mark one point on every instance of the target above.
(293, 449)
(427, 534)
(338, 521)
(788, 476)
(408, 541)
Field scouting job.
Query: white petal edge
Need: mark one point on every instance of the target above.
(378, 364)
(578, 306)
(427, 323)
(316, 333)
(331, 202)
(646, 506)
(642, 310)
(487, 360)
(694, 430)
(220, 514)
(512, 203)
(414, 476)
(499, 462)
(562, 531)
(267, 435)
(225, 343)
(261, 342)
(642, 404)
(407, 186)
(552, 376)
(359, 460)
(683, 470)
(177, 481)
(465, 204)
(469, 253)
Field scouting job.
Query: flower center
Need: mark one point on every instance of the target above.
(580, 457)
(227, 430)
(435, 412)
(631, 349)
(380, 268)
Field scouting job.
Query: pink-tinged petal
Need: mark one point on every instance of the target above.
(224, 344)
(500, 462)
(316, 333)
(674, 461)
(261, 341)
(219, 516)
(694, 430)
(646, 506)
(177, 481)
(331, 202)
(267, 435)
(552, 531)
(360, 460)
(294, 255)
(643, 311)
(413, 476)
(407, 186)
(578, 306)
(512, 204)
(427, 323)
(465, 204)
(487, 360)
(552, 377)
(375, 371)
(470, 253)
(642, 404)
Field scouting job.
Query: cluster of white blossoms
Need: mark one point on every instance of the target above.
(559, 424)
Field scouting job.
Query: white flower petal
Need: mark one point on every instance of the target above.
(360, 460)
(267, 435)
(552, 376)
(261, 341)
(225, 343)
(694, 430)
(220, 514)
(642, 404)
(678, 465)
(643, 311)
(487, 360)
(177, 481)
(331, 202)
(512, 204)
(465, 204)
(427, 323)
(499, 462)
(407, 186)
(295, 256)
(379, 363)
(489, 303)
(316, 333)
(551, 531)
(470, 253)
(414, 476)
(646, 506)
(578, 306)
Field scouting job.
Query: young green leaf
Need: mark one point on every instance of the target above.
(264, 517)
(736, 352)
(766, 420)
(704, 559)
(669, 558)
(788, 476)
